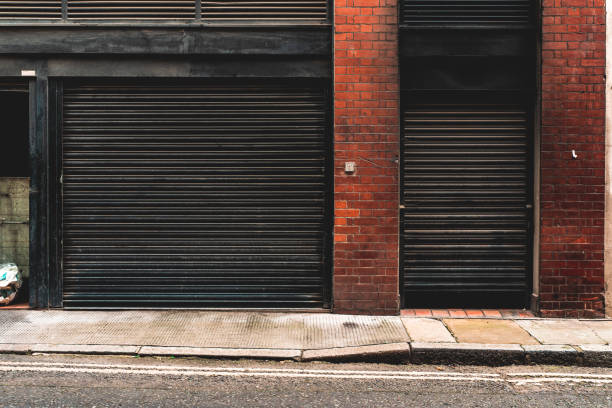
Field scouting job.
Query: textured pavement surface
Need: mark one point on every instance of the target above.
(199, 329)
(306, 336)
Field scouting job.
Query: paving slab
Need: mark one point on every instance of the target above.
(488, 331)
(567, 331)
(427, 330)
(602, 328)
(378, 352)
(596, 348)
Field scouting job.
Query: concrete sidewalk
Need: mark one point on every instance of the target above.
(308, 336)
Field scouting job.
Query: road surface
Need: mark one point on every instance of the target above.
(103, 381)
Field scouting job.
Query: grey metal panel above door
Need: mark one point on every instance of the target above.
(195, 195)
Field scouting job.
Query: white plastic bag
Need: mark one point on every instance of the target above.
(10, 282)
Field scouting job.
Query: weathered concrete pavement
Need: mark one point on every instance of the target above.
(308, 336)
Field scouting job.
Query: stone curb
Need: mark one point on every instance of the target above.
(68, 349)
(596, 354)
(396, 353)
(467, 353)
(561, 354)
(272, 354)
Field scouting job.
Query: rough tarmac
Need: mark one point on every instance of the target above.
(89, 381)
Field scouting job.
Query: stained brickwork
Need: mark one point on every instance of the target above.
(367, 133)
(572, 189)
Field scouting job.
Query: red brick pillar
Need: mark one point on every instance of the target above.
(366, 112)
(572, 190)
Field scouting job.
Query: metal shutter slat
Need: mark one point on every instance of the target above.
(264, 10)
(465, 12)
(133, 9)
(191, 209)
(465, 191)
(27, 9)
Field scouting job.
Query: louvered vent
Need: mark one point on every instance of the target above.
(45, 9)
(465, 12)
(194, 196)
(465, 191)
(278, 10)
(134, 9)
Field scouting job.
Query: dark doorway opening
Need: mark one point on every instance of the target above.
(15, 182)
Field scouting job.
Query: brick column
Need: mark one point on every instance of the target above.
(572, 190)
(366, 100)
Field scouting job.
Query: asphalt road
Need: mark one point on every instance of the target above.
(85, 381)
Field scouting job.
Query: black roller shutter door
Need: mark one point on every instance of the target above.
(466, 180)
(191, 195)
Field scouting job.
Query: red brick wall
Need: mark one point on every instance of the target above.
(572, 191)
(366, 100)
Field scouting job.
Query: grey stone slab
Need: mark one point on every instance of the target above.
(220, 352)
(398, 352)
(567, 331)
(427, 330)
(467, 353)
(548, 348)
(596, 348)
(602, 328)
(84, 349)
